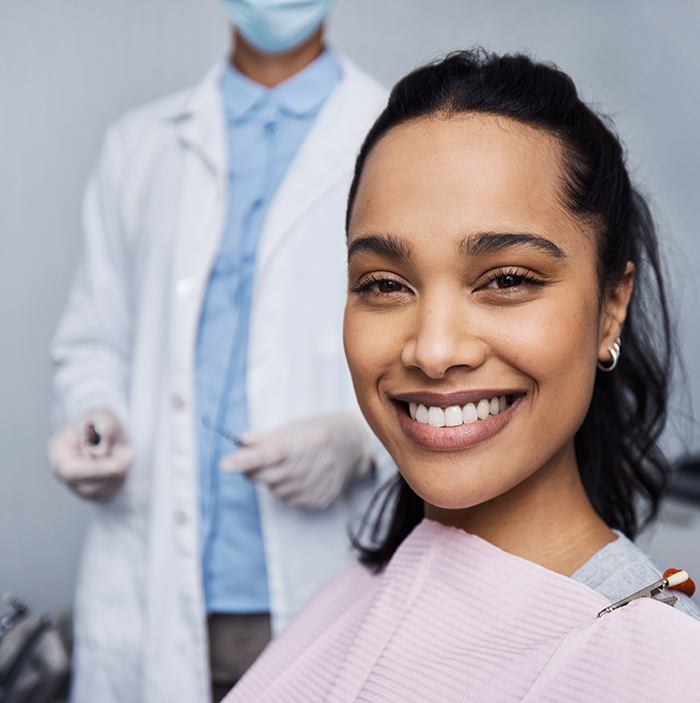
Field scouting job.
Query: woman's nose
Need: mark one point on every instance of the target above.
(442, 339)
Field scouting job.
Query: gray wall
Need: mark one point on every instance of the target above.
(68, 68)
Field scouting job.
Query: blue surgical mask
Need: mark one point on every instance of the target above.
(273, 26)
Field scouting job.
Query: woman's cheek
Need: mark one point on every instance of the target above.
(371, 336)
(372, 347)
(556, 347)
(364, 346)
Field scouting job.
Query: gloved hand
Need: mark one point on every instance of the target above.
(91, 455)
(306, 462)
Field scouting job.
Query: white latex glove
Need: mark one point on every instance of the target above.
(307, 462)
(91, 455)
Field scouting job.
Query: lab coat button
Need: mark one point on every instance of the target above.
(177, 401)
(186, 287)
(180, 517)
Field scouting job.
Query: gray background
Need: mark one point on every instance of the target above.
(69, 67)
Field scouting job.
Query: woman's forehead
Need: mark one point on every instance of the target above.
(470, 173)
(474, 134)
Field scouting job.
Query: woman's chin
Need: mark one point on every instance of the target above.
(446, 494)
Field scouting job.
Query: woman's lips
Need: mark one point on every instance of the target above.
(447, 439)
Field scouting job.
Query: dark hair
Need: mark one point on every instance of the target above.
(621, 464)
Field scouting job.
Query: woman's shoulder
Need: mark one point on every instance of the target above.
(634, 653)
(621, 568)
(333, 599)
(309, 651)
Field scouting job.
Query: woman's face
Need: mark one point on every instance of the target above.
(473, 324)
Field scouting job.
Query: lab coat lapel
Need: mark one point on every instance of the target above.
(324, 157)
(200, 121)
(201, 131)
(200, 205)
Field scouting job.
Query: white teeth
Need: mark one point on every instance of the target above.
(469, 413)
(483, 409)
(436, 417)
(453, 416)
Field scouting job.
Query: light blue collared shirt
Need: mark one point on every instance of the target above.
(265, 129)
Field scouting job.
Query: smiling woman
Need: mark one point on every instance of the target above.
(492, 221)
(497, 255)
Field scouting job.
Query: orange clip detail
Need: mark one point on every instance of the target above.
(687, 587)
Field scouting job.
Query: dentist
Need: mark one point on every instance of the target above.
(209, 302)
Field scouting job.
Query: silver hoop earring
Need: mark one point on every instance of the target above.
(614, 355)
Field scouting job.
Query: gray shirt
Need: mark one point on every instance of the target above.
(621, 568)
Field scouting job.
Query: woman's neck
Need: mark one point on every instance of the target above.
(546, 519)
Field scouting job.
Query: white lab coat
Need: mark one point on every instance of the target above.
(154, 211)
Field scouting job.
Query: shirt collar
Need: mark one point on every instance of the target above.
(300, 95)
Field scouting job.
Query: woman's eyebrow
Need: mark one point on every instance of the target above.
(382, 244)
(487, 242)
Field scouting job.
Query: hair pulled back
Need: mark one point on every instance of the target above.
(622, 467)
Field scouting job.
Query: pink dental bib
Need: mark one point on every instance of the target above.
(453, 618)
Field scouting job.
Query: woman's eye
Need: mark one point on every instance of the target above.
(507, 280)
(380, 287)
(387, 286)
(512, 281)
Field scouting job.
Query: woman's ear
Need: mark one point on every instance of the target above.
(614, 312)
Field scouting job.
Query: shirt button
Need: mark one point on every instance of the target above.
(180, 517)
(177, 402)
(186, 287)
